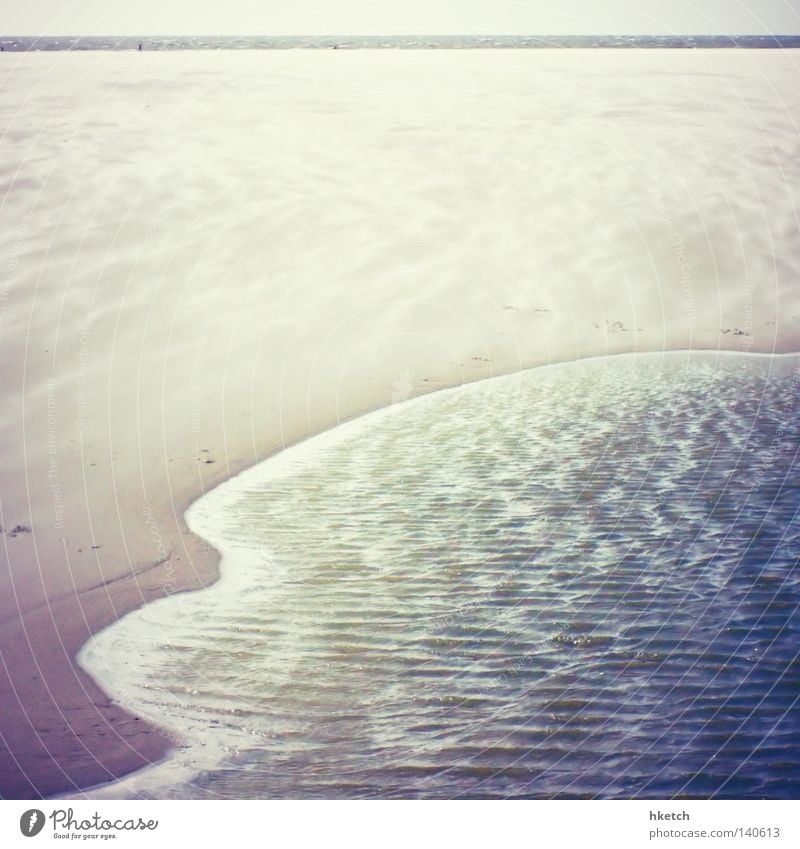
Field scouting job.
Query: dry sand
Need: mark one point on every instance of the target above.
(208, 256)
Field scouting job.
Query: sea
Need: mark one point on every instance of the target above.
(399, 42)
(577, 581)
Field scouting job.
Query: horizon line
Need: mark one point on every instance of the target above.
(409, 34)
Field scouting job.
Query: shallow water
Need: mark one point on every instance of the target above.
(576, 581)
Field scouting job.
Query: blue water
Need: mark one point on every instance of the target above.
(577, 581)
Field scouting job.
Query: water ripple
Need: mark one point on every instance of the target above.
(576, 581)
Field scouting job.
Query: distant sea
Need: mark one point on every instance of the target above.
(398, 42)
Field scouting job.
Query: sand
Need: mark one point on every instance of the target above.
(207, 256)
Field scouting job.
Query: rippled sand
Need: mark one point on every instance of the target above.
(206, 256)
(576, 581)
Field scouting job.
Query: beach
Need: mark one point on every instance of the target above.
(209, 256)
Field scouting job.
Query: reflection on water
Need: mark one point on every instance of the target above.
(576, 581)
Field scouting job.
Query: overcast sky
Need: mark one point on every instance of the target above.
(281, 17)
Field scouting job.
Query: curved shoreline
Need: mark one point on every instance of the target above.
(356, 420)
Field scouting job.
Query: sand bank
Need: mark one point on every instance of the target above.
(208, 256)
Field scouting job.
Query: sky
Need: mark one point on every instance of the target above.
(393, 17)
